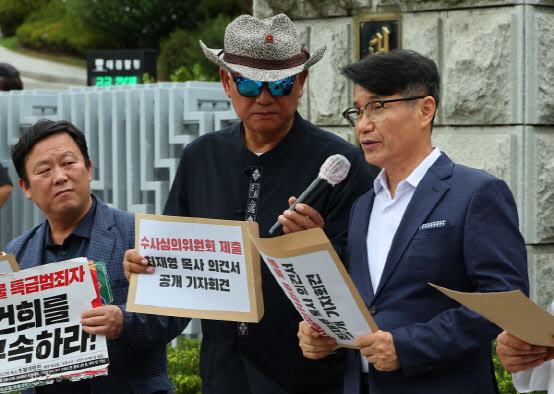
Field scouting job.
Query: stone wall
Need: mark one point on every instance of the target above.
(497, 109)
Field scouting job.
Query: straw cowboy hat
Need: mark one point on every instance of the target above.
(263, 50)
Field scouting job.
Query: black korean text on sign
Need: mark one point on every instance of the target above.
(339, 329)
(295, 279)
(163, 262)
(61, 341)
(314, 280)
(29, 314)
(192, 264)
(210, 284)
(171, 281)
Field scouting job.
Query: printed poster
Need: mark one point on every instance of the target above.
(204, 268)
(312, 276)
(40, 335)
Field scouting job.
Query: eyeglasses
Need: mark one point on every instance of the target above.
(248, 88)
(373, 110)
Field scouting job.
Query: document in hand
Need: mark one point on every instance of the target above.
(205, 268)
(312, 276)
(41, 337)
(512, 311)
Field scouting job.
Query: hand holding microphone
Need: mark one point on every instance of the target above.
(333, 171)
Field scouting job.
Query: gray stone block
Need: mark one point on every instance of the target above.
(496, 150)
(539, 184)
(483, 69)
(329, 93)
(302, 9)
(541, 271)
(347, 133)
(434, 5)
(539, 57)
(423, 32)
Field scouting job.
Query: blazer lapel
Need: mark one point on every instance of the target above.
(36, 248)
(101, 241)
(359, 269)
(428, 193)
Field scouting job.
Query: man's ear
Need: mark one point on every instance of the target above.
(428, 109)
(226, 81)
(89, 170)
(302, 80)
(26, 189)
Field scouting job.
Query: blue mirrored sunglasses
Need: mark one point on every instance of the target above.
(248, 88)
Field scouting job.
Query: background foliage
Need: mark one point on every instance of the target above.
(135, 23)
(182, 49)
(173, 27)
(14, 12)
(184, 372)
(182, 366)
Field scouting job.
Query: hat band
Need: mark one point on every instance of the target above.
(268, 64)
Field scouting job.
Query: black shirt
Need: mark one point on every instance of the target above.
(214, 181)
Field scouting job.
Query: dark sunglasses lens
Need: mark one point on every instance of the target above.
(248, 88)
(282, 87)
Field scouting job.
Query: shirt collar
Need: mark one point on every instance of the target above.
(83, 229)
(414, 178)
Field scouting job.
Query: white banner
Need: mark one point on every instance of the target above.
(40, 335)
(203, 268)
(314, 279)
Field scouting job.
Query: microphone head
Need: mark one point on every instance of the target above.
(335, 169)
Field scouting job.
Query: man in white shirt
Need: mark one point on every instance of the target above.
(427, 219)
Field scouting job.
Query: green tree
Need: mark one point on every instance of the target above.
(182, 50)
(14, 12)
(136, 23)
(53, 27)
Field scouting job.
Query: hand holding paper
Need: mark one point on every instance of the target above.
(103, 320)
(313, 345)
(517, 355)
(134, 263)
(378, 348)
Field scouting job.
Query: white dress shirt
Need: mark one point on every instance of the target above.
(387, 213)
(386, 216)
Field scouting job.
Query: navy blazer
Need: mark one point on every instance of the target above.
(138, 361)
(442, 346)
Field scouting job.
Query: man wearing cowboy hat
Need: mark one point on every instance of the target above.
(248, 172)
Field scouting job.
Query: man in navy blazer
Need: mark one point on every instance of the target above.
(52, 161)
(427, 220)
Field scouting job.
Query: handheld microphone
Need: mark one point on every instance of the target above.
(333, 171)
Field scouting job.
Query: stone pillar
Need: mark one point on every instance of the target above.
(497, 110)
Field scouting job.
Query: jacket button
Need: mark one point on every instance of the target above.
(373, 310)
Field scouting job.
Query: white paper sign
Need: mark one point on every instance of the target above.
(40, 334)
(7, 263)
(320, 294)
(5, 267)
(198, 266)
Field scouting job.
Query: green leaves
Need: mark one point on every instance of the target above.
(183, 366)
